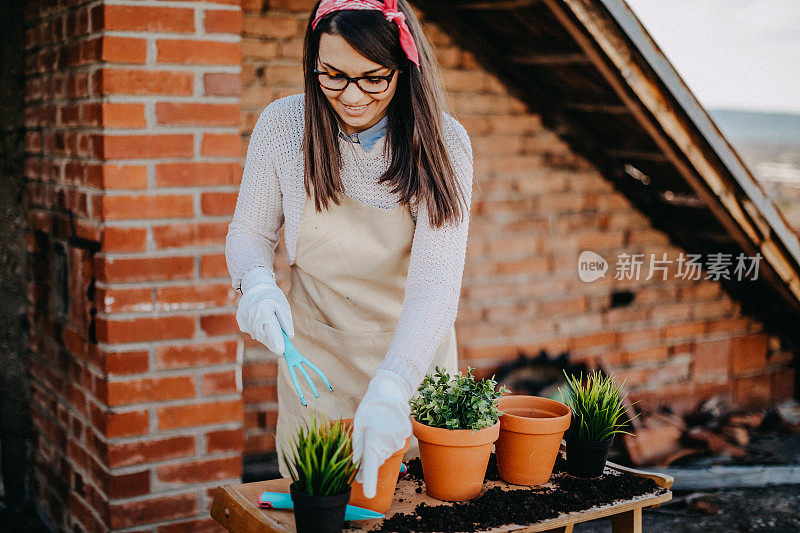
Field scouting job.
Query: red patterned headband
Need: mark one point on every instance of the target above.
(390, 11)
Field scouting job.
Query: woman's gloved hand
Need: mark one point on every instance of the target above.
(381, 425)
(264, 309)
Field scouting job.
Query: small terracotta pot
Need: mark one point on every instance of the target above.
(388, 473)
(454, 461)
(531, 429)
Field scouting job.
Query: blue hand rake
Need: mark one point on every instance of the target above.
(296, 359)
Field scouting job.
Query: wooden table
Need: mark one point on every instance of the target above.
(236, 507)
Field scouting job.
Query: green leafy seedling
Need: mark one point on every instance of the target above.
(321, 458)
(598, 406)
(459, 402)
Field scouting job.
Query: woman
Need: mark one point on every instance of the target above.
(372, 181)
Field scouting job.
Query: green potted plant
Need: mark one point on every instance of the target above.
(598, 414)
(322, 468)
(456, 421)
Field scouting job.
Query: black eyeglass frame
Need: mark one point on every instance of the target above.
(387, 77)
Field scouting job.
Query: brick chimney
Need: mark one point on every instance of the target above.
(133, 162)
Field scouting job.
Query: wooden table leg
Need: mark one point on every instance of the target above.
(628, 522)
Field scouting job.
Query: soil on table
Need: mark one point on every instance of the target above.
(497, 507)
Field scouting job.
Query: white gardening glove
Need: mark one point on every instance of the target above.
(381, 425)
(264, 309)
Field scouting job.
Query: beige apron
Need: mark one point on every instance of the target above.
(348, 280)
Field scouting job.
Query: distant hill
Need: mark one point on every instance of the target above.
(755, 127)
(769, 144)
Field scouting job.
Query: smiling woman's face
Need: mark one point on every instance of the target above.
(336, 56)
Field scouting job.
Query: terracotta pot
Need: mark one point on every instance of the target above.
(531, 429)
(454, 461)
(388, 473)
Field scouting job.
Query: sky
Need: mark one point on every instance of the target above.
(734, 54)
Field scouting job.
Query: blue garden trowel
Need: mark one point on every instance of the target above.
(281, 500)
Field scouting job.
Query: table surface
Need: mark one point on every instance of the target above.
(236, 507)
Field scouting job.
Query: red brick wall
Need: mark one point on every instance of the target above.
(271, 68)
(536, 206)
(133, 160)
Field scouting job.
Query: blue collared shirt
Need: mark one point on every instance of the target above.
(369, 136)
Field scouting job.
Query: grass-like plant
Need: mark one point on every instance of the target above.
(598, 406)
(321, 462)
(457, 403)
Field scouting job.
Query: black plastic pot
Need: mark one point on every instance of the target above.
(586, 459)
(319, 514)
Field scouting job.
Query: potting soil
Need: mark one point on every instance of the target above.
(497, 507)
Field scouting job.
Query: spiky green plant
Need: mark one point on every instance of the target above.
(321, 462)
(457, 403)
(598, 406)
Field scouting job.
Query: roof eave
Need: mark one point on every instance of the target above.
(717, 173)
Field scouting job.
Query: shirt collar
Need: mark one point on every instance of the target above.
(369, 136)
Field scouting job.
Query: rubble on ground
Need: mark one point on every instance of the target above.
(714, 434)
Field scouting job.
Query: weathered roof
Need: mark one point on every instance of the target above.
(596, 77)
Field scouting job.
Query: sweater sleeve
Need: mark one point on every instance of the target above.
(435, 272)
(253, 233)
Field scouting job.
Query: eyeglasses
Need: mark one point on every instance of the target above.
(339, 82)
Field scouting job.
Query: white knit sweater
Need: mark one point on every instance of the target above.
(272, 195)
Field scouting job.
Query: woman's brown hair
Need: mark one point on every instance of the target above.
(420, 168)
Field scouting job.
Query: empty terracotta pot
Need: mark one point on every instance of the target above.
(388, 473)
(454, 461)
(531, 429)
